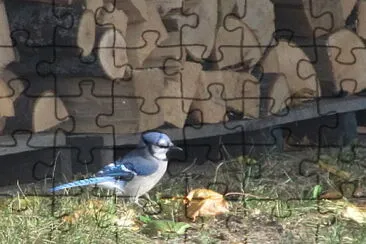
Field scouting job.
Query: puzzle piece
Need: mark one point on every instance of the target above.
(214, 71)
(42, 22)
(238, 30)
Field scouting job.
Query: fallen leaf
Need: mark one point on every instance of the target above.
(205, 202)
(354, 209)
(90, 208)
(334, 170)
(355, 213)
(73, 217)
(331, 194)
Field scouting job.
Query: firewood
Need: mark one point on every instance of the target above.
(257, 15)
(241, 93)
(347, 7)
(48, 112)
(197, 22)
(225, 8)
(177, 91)
(236, 44)
(152, 97)
(260, 18)
(142, 38)
(295, 65)
(347, 55)
(210, 108)
(269, 62)
(6, 51)
(13, 88)
(112, 53)
(275, 93)
(361, 27)
(99, 15)
(167, 54)
(98, 105)
(164, 6)
(137, 11)
(204, 33)
(309, 18)
(116, 18)
(15, 84)
(150, 114)
(93, 5)
(222, 91)
(6, 103)
(86, 33)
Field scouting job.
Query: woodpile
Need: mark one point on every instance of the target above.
(133, 65)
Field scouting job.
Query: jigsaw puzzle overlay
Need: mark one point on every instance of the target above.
(265, 98)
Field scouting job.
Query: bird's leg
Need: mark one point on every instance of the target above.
(148, 196)
(137, 202)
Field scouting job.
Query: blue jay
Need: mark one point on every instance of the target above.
(135, 174)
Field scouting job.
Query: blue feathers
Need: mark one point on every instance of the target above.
(122, 171)
(85, 182)
(110, 173)
(152, 138)
(137, 172)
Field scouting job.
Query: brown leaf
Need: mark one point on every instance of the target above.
(334, 170)
(73, 217)
(331, 194)
(205, 202)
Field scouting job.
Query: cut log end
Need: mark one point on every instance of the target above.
(347, 55)
(274, 93)
(112, 53)
(86, 32)
(93, 5)
(361, 26)
(297, 68)
(48, 112)
(219, 92)
(182, 85)
(204, 34)
(113, 18)
(236, 44)
(6, 102)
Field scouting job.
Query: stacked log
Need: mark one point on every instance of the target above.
(103, 66)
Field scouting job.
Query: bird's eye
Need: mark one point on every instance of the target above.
(163, 145)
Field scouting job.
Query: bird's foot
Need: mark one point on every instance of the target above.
(136, 201)
(148, 196)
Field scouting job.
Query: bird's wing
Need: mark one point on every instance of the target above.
(85, 182)
(139, 163)
(119, 171)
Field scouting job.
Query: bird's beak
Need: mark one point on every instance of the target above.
(174, 147)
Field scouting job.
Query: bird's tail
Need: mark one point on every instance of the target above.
(85, 182)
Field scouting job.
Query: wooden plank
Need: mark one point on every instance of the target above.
(18, 144)
(61, 2)
(306, 111)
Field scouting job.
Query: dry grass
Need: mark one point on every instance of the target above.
(282, 210)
